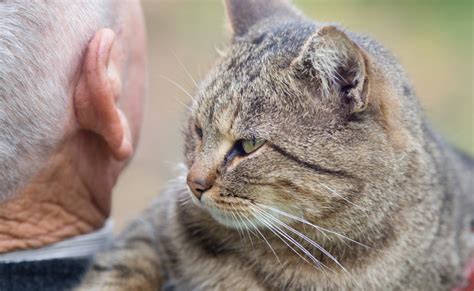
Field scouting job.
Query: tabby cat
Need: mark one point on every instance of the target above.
(309, 165)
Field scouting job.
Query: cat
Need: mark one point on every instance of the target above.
(309, 165)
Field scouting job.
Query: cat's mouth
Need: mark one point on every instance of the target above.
(236, 211)
(231, 211)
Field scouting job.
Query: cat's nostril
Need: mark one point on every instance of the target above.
(199, 186)
(200, 179)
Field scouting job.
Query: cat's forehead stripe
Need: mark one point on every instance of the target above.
(226, 116)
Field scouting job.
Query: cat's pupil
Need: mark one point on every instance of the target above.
(199, 131)
(238, 149)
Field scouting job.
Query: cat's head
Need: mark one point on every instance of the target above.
(295, 117)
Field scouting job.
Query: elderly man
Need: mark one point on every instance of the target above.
(71, 91)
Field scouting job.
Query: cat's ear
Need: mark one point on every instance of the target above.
(243, 14)
(337, 67)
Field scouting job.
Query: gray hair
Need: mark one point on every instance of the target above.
(41, 45)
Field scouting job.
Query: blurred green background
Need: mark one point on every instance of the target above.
(432, 39)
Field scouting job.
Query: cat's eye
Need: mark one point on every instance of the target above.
(251, 145)
(244, 147)
(198, 131)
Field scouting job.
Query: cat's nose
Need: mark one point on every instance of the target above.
(200, 183)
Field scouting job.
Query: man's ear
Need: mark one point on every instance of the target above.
(337, 67)
(97, 93)
(243, 14)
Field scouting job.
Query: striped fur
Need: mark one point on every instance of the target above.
(352, 190)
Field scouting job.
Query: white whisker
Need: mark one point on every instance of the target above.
(242, 237)
(239, 226)
(179, 87)
(291, 239)
(185, 70)
(313, 243)
(272, 229)
(321, 229)
(243, 225)
(266, 241)
(340, 196)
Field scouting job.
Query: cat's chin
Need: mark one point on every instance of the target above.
(231, 220)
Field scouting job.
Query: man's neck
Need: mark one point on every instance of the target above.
(55, 206)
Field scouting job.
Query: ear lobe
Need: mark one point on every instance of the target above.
(338, 67)
(243, 14)
(98, 89)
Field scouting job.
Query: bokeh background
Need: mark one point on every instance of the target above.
(432, 39)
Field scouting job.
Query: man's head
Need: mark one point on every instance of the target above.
(71, 82)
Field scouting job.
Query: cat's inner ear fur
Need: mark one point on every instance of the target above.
(337, 67)
(243, 14)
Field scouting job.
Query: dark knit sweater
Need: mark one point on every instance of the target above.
(47, 275)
